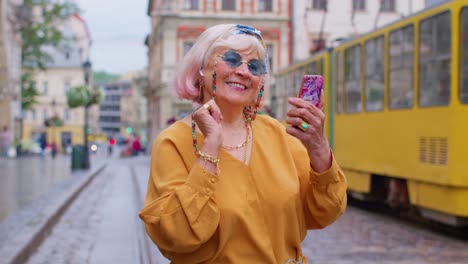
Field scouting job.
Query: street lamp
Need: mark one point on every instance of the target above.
(87, 73)
(54, 136)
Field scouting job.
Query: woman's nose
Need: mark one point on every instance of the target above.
(243, 68)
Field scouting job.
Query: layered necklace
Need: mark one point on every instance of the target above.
(244, 144)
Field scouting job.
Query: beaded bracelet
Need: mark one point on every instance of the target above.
(206, 157)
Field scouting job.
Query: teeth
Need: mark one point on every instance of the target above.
(238, 85)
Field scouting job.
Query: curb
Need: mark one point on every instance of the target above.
(19, 249)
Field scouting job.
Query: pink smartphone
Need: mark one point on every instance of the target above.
(311, 88)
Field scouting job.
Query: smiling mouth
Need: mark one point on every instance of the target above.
(237, 85)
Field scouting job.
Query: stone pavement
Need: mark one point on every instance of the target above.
(102, 226)
(44, 188)
(362, 236)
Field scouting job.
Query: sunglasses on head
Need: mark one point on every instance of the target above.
(234, 60)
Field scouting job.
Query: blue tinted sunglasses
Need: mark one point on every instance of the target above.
(234, 60)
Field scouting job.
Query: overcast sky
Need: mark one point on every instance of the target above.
(118, 29)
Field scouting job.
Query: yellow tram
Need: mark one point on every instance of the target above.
(397, 111)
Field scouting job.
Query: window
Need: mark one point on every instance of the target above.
(319, 4)
(45, 87)
(464, 57)
(33, 115)
(66, 115)
(187, 46)
(270, 50)
(229, 5)
(387, 6)
(66, 86)
(315, 67)
(44, 114)
(339, 81)
(298, 74)
(190, 4)
(401, 65)
(434, 60)
(352, 79)
(374, 74)
(312, 68)
(359, 5)
(265, 5)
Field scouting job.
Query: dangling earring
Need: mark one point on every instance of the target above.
(214, 79)
(259, 100)
(201, 87)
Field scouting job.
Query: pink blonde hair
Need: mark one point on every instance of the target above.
(215, 38)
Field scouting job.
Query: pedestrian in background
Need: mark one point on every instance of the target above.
(6, 139)
(226, 185)
(136, 145)
(43, 143)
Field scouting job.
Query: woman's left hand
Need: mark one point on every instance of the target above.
(312, 134)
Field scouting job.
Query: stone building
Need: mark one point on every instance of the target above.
(64, 72)
(176, 24)
(123, 113)
(12, 15)
(317, 23)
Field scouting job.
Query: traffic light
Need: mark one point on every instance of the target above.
(112, 141)
(129, 130)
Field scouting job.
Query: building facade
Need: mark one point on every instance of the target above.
(318, 23)
(123, 113)
(64, 72)
(176, 24)
(11, 16)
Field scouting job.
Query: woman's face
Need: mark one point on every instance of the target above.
(238, 74)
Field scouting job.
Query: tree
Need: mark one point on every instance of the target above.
(37, 34)
(82, 95)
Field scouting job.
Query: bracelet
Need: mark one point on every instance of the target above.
(213, 160)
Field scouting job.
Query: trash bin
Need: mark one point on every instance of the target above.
(77, 157)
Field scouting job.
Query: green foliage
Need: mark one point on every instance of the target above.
(28, 91)
(37, 34)
(102, 77)
(83, 96)
(54, 121)
(78, 96)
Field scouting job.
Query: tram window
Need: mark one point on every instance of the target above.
(352, 79)
(321, 66)
(297, 81)
(312, 68)
(401, 60)
(338, 81)
(434, 61)
(374, 74)
(464, 57)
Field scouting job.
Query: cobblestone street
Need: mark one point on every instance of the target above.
(360, 236)
(102, 226)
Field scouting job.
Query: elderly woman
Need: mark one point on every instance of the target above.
(227, 186)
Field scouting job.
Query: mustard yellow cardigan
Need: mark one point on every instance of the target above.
(255, 213)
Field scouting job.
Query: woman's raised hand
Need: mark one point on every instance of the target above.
(208, 118)
(307, 124)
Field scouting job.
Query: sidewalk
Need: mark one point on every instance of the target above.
(101, 225)
(46, 188)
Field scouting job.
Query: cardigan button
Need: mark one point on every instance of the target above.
(213, 179)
